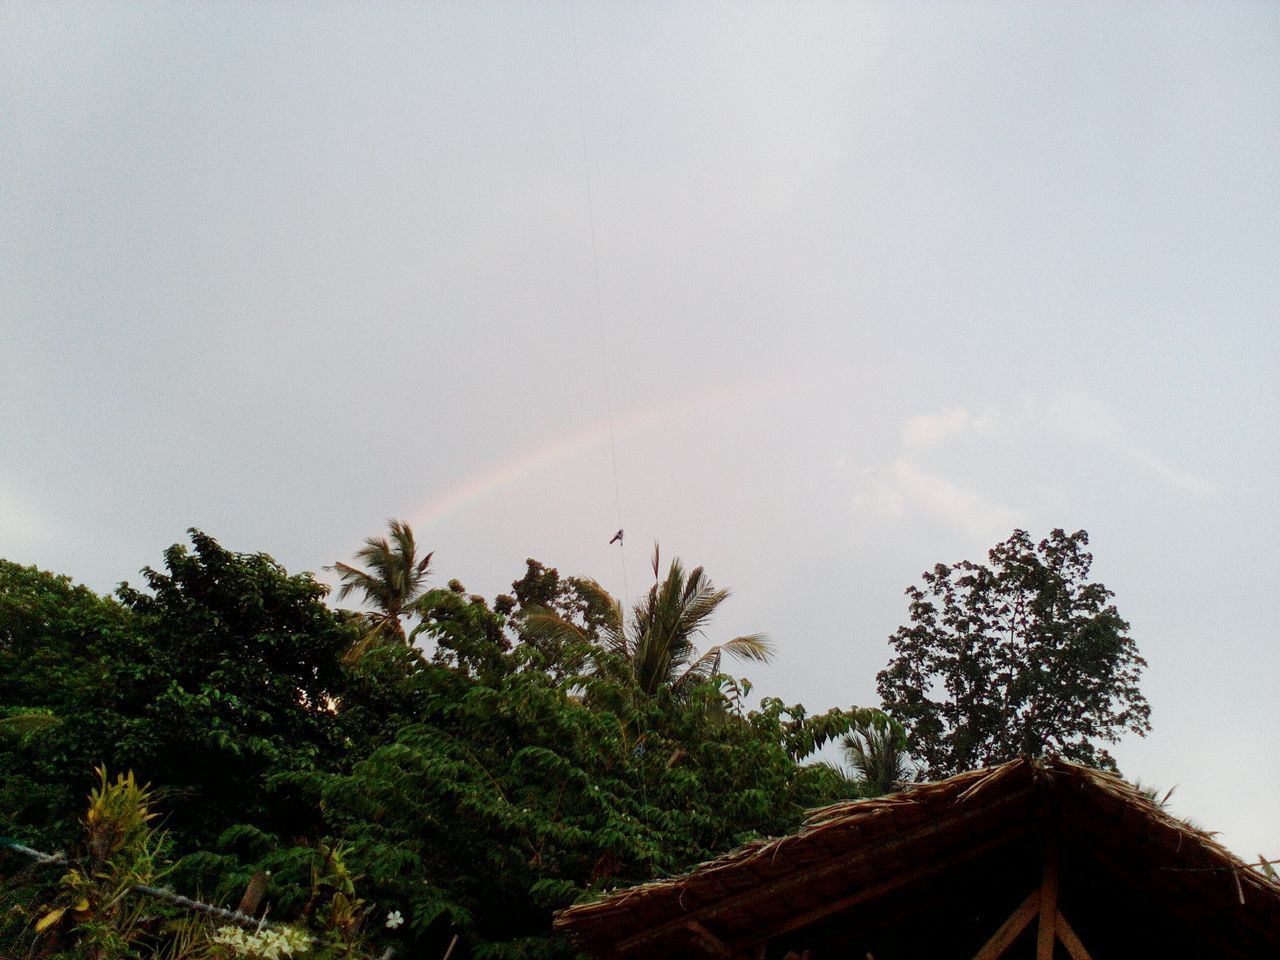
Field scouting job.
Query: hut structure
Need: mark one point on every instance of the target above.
(1032, 859)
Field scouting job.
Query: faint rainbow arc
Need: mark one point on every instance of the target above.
(508, 472)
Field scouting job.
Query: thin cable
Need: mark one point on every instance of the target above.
(595, 266)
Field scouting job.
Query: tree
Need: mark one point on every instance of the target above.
(393, 584)
(877, 752)
(233, 693)
(1021, 657)
(66, 659)
(477, 783)
(561, 653)
(656, 650)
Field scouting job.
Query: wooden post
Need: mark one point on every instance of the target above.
(1003, 938)
(1070, 940)
(1048, 900)
(253, 894)
(710, 944)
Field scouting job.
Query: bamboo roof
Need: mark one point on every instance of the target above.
(933, 870)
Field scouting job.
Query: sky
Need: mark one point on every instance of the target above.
(815, 295)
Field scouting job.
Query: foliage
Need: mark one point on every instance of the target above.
(106, 906)
(393, 584)
(96, 913)
(467, 783)
(656, 650)
(877, 753)
(468, 636)
(65, 659)
(1021, 657)
(235, 695)
(517, 798)
(577, 601)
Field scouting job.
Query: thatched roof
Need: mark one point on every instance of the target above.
(935, 870)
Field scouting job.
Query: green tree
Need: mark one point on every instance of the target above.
(235, 691)
(1023, 656)
(560, 652)
(393, 583)
(475, 782)
(877, 752)
(657, 649)
(63, 695)
(510, 797)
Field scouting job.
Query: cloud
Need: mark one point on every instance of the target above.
(1174, 476)
(928, 429)
(1090, 419)
(903, 487)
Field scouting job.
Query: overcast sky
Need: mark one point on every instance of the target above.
(877, 284)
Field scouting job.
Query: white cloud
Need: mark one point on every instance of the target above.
(1181, 480)
(927, 429)
(903, 488)
(1091, 419)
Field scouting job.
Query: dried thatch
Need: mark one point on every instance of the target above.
(935, 871)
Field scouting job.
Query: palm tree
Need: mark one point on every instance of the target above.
(393, 582)
(877, 751)
(656, 650)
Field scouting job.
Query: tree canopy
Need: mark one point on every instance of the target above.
(656, 650)
(468, 782)
(1019, 656)
(393, 583)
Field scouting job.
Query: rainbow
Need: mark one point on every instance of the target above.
(512, 471)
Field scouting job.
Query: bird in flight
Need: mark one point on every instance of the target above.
(617, 538)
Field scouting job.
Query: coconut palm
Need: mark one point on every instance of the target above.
(877, 752)
(392, 583)
(656, 650)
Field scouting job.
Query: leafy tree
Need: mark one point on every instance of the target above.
(656, 651)
(235, 691)
(393, 583)
(1023, 656)
(467, 634)
(561, 653)
(62, 695)
(512, 798)
(219, 684)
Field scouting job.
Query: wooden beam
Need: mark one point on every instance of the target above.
(888, 886)
(801, 878)
(1048, 900)
(1003, 938)
(1069, 939)
(710, 944)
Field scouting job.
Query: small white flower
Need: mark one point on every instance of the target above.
(394, 919)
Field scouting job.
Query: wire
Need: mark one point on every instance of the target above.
(595, 266)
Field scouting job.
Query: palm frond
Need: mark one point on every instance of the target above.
(25, 724)
(755, 646)
(877, 752)
(705, 667)
(597, 596)
(543, 624)
(352, 579)
(380, 631)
